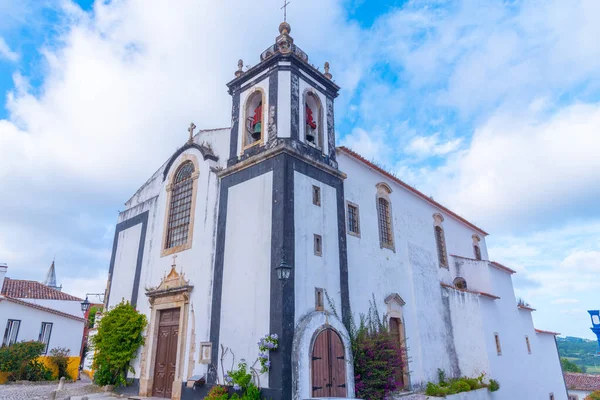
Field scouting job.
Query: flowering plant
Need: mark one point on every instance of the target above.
(265, 345)
(239, 377)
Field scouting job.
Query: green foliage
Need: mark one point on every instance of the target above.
(15, 358)
(494, 385)
(37, 371)
(239, 377)
(581, 352)
(593, 396)
(60, 357)
(446, 386)
(92, 315)
(116, 344)
(568, 366)
(218, 393)
(377, 356)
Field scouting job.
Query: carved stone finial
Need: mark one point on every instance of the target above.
(190, 140)
(240, 70)
(327, 74)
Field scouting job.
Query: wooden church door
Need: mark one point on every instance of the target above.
(166, 353)
(328, 365)
(396, 332)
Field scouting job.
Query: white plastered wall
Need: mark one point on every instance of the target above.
(284, 100)
(125, 264)
(312, 271)
(66, 332)
(245, 304)
(66, 306)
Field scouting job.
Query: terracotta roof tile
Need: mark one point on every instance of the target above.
(548, 332)
(409, 188)
(497, 265)
(526, 308)
(41, 308)
(585, 382)
(20, 289)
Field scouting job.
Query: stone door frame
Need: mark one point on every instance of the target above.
(163, 298)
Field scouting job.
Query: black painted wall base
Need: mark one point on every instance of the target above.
(201, 392)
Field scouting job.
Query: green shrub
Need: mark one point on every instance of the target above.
(460, 385)
(217, 393)
(60, 357)
(494, 386)
(118, 339)
(37, 371)
(593, 396)
(15, 358)
(92, 315)
(473, 383)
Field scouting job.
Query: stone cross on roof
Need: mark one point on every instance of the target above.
(284, 8)
(191, 131)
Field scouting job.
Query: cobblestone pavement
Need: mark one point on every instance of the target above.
(41, 391)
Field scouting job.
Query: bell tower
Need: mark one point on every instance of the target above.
(281, 235)
(283, 99)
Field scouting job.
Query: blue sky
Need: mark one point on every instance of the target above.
(492, 107)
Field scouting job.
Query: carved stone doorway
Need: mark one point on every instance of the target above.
(166, 353)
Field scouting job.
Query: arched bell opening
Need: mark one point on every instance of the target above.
(254, 124)
(313, 113)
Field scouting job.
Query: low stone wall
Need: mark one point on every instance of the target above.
(479, 394)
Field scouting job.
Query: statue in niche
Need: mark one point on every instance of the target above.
(311, 125)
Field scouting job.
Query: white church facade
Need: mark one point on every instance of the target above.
(269, 217)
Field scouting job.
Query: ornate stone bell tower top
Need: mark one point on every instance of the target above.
(283, 101)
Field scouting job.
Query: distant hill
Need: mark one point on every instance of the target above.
(582, 352)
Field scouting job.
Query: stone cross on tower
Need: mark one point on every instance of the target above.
(175, 255)
(190, 140)
(284, 8)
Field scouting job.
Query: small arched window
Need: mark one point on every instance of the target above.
(476, 248)
(254, 127)
(460, 283)
(384, 216)
(313, 117)
(180, 207)
(440, 240)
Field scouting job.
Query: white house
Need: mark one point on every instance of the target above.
(30, 310)
(268, 218)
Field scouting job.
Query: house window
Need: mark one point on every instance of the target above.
(528, 344)
(180, 208)
(440, 240)
(384, 216)
(45, 333)
(353, 222)
(318, 245)
(316, 195)
(551, 396)
(12, 332)
(460, 283)
(476, 248)
(498, 348)
(573, 397)
(319, 306)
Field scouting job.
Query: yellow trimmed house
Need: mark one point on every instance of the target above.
(30, 310)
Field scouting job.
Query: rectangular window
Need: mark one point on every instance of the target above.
(528, 344)
(353, 221)
(440, 241)
(318, 245)
(498, 348)
(551, 396)
(573, 397)
(45, 333)
(316, 195)
(319, 305)
(12, 332)
(477, 252)
(385, 223)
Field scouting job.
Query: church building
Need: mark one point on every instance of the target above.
(269, 228)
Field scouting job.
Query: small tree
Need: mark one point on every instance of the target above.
(60, 357)
(568, 366)
(593, 396)
(116, 344)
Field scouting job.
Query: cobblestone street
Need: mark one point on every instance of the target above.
(40, 391)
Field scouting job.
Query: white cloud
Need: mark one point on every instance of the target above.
(6, 52)
(565, 301)
(427, 146)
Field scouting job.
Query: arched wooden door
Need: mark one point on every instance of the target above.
(328, 366)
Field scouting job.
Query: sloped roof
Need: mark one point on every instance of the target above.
(41, 308)
(428, 199)
(577, 381)
(21, 289)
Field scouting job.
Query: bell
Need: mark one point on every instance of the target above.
(256, 131)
